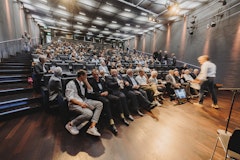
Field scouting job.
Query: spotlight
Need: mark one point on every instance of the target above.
(224, 2)
(190, 32)
(213, 24)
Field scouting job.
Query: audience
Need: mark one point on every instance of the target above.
(119, 90)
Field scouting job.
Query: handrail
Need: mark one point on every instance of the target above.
(16, 40)
(11, 40)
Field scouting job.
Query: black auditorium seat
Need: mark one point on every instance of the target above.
(64, 66)
(76, 67)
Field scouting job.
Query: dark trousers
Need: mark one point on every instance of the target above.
(106, 106)
(138, 98)
(208, 85)
(122, 101)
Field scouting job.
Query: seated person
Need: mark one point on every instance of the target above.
(188, 78)
(151, 89)
(101, 93)
(171, 84)
(103, 67)
(55, 85)
(115, 83)
(184, 84)
(153, 80)
(76, 91)
(38, 71)
(136, 94)
(195, 73)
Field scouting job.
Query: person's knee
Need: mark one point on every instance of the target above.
(99, 104)
(88, 114)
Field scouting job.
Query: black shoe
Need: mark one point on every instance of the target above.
(151, 106)
(140, 113)
(114, 130)
(125, 122)
(130, 117)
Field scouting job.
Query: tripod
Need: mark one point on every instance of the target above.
(235, 91)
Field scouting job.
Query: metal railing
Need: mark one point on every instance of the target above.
(10, 47)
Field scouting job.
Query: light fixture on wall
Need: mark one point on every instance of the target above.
(193, 20)
(213, 24)
(224, 2)
(192, 26)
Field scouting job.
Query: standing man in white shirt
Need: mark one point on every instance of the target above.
(206, 80)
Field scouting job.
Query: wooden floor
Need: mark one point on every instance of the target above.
(183, 132)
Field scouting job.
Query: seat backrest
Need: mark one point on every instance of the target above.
(64, 66)
(76, 67)
(234, 141)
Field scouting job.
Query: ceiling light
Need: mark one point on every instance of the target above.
(114, 22)
(94, 27)
(127, 24)
(137, 26)
(99, 18)
(62, 7)
(64, 19)
(44, 1)
(83, 14)
(144, 14)
(224, 2)
(106, 29)
(174, 8)
(127, 10)
(79, 23)
(110, 4)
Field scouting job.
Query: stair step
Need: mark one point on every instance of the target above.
(10, 71)
(15, 76)
(15, 90)
(12, 81)
(6, 99)
(14, 85)
(20, 109)
(16, 103)
(14, 64)
(14, 67)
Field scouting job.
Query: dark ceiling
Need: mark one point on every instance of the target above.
(108, 19)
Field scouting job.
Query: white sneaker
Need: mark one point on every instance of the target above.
(80, 126)
(72, 129)
(93, 131)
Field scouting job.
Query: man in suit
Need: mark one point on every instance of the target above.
(115, 84)
(39, 70)
(138, 96)
(101, 93)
